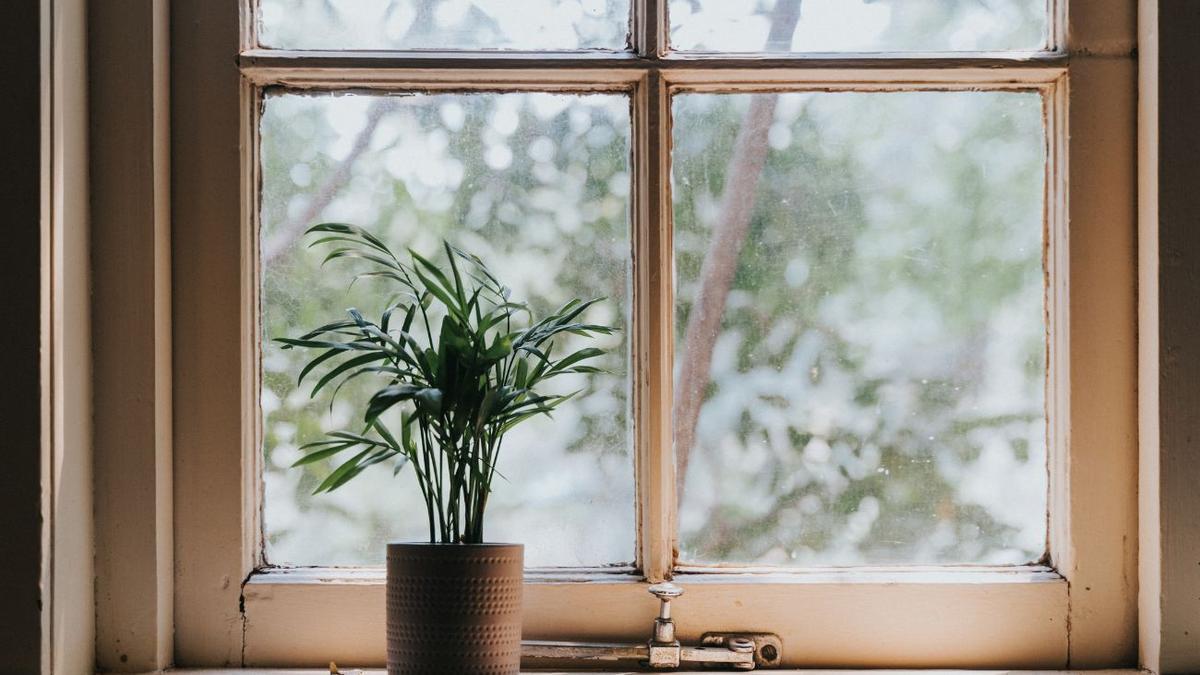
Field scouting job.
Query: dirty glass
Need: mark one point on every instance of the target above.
(861, 350)
(444, 24)
(858, 25)
(538, 186)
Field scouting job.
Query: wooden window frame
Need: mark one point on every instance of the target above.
(1080, 611)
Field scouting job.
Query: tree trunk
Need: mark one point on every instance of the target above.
(724, 248)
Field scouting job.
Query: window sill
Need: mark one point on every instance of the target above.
(969, 617)
(356, 671)
(381, 671)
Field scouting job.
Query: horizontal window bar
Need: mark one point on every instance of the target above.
(267, 59)
(678, 79)
(377, 575)
(960, 574)
(446, 79)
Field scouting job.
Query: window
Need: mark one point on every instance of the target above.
(872, 372)
(867, 342)
(537, 184)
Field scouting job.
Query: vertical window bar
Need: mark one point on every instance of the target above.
(1057, 303)
(653, 328)
(253, 533)
(1056, 25)
(248, 35)
(653, 302)
(649, 28)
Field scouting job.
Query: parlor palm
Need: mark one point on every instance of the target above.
(460, 359)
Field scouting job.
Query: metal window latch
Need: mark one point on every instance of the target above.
(736, 651)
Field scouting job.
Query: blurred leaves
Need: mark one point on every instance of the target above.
(876, 388)
(554, 222)
(831, 446)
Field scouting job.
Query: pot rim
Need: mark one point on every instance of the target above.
(440, 544)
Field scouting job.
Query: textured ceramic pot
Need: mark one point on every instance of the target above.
(454, 608)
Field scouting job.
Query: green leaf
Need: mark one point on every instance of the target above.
(581, 355)
(440, 293)
(522, 375)
(432, 269)
(387, 397)
(400, 466)
(340, 228)
(408, 318)
(348, 232)
(485, 409)
(344, 366)
(500, 349)
(318, 361)
(326, 344)
(430, 399)
(328, 328)
(340, 475)
(394, 373)
(357, 438)
(327, 449)
(458, 283)
(406, 437)
(347, 252)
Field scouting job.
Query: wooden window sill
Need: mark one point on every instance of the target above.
(381, 671)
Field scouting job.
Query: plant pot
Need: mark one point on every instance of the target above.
(454, 608)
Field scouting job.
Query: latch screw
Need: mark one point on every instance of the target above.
(741, 645)
(664, 627)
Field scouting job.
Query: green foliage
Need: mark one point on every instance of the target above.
(453, 355)
(877, 390)
(831, 411)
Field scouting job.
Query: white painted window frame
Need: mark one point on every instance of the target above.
(1080, 611)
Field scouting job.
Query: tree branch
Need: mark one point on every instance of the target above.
(283, 238)
(724, 248)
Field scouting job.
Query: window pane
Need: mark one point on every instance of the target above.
(444, 24)
(857, 25)
(861, 344)
(535, 184)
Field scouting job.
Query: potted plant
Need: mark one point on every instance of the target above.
(459, 363)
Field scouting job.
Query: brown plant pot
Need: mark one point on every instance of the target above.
(454, 608)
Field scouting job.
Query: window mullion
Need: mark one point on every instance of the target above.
(653, 324)
(649, 28)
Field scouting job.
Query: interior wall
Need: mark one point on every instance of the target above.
(22, 633)
(131, 322)
(46, 578)
(1169, 326)
(47, 430)
(73, 618)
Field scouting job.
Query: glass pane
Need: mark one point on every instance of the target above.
(860, 356)
(535, 184)
(444, 24)
(858, 25)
